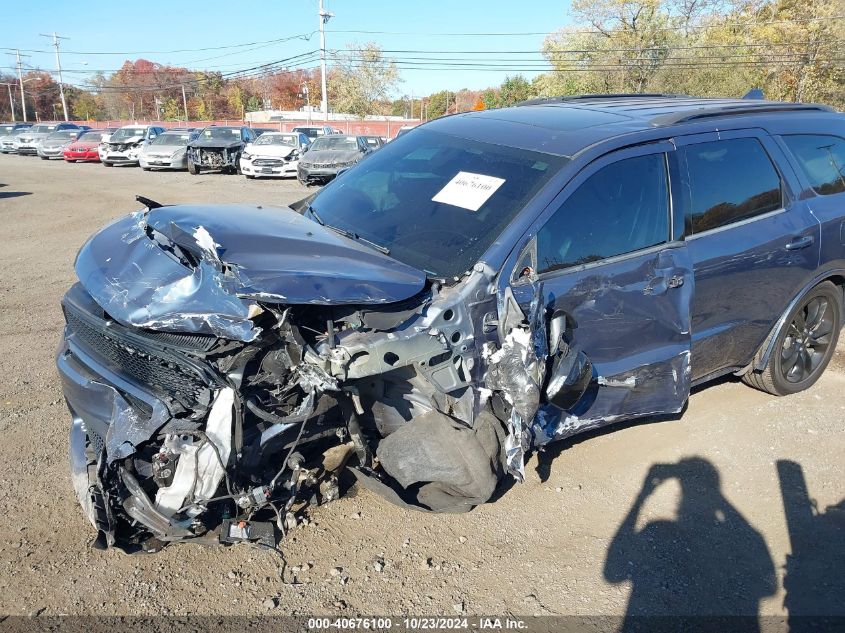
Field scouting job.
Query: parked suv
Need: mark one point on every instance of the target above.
(126, 143)
(493, 282)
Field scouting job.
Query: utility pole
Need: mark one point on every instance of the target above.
(11, 102)
(307, 94)
(324, 17)
(56, 39)
(185, 102)
(20, 79)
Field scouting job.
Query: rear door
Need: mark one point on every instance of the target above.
(605, 256)
(753, 244)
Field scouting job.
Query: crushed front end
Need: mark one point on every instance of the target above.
(224, 366)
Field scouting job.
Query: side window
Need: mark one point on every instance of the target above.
(729, 181)
(822, 159)
(622, 208)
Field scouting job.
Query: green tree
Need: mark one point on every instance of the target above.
(440, 103)
(173, 110)
(84, 107)
(361, 80)
(514, 90)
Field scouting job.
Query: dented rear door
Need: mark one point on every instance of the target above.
(606, 256)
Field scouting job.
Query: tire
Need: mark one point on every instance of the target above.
(804, 345)
(194, 170)
(43, 158)
(107, 164)
(249, 177)
(146, 168)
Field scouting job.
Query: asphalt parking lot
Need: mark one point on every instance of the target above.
(582, 535)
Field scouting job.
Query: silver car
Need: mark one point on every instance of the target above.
(8, 132)
(125, 145)
(54, 145)
(27, 142)
(167, 151)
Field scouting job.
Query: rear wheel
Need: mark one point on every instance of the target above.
(805, 344)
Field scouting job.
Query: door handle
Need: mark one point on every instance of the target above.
(800, 242)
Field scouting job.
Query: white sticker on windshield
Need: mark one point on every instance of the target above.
(468, 191)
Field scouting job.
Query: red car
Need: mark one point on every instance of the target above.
(85, 147)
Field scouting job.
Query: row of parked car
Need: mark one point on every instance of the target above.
(313, 154)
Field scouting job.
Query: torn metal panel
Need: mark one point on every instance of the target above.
(631, 321)
(517, 370)
(201, 462)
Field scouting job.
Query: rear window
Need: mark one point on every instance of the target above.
(729, 181)
(822, 159)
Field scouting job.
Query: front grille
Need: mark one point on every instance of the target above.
(268, 162)
(162, 374)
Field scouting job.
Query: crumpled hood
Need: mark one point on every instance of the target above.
(126, 141)
(269, 151)
(203, 268)
(215, 143)
(329, 156)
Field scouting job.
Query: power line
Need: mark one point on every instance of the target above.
(304, 36)
(596, 31)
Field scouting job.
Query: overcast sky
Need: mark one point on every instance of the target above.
(156, 30)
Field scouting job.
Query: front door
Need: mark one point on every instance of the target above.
(606, 258)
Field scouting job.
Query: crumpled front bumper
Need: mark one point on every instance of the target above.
(317, 175)
(286, 169)
(101, 418)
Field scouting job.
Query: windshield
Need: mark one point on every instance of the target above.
(437, 202)
(41, 129)
(125, 133)
(335, 142)
(277, 139)
(93, 135)
(5, 130)
(224, 133)
(172, 139)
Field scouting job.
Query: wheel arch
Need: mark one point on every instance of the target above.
(761, 358)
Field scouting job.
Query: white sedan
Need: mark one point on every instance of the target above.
(273, 155)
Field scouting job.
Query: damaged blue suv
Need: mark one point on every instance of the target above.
(488, 283)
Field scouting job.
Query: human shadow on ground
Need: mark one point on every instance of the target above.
(706, 568)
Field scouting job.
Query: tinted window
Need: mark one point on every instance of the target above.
(729, 181)
(621, 208)
(822, 159)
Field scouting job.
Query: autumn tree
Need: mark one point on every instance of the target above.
(361, 80)
(789, 48)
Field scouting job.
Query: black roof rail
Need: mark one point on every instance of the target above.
(685, 116)
(619, 95)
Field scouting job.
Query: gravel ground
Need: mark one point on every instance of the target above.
(541, 548)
